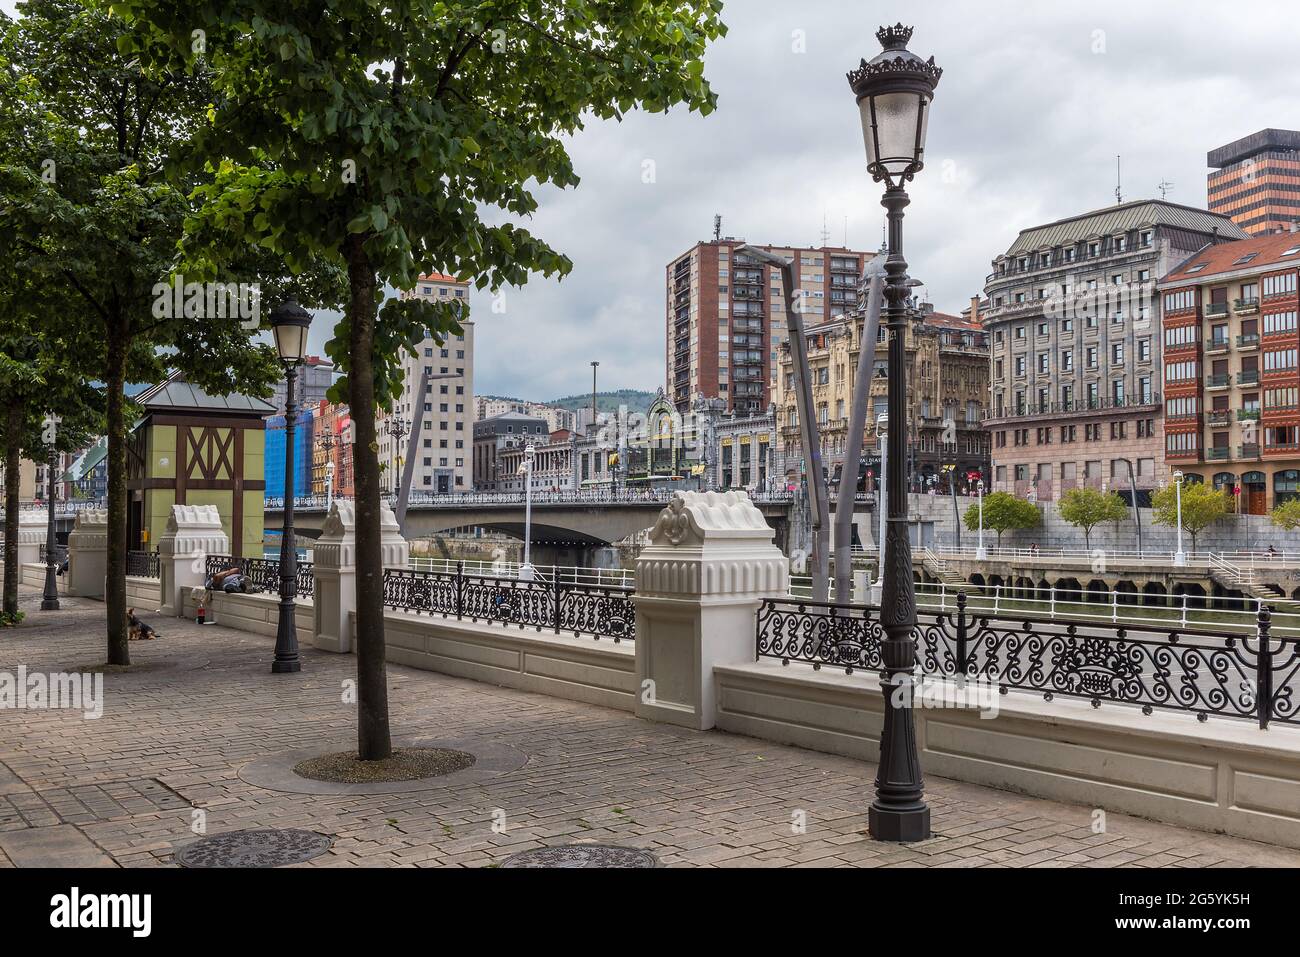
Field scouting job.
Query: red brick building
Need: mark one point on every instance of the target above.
(1232, 384)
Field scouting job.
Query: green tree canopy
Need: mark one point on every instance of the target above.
(1003, 512)
(1287, 515)
(401, 138)
(1086, 508)
(1202, 506)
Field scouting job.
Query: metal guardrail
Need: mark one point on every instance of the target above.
(141, 564)
(596, 611)
(1197, 671)
(568, 574)
(264, 573)
(594, 497)
(1284, 559)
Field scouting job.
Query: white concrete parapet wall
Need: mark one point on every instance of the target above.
(710, 561)
(33, 526)
(88, 553)
(193, 533)
(334, 569)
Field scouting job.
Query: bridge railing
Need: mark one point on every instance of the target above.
(568, 574)
(560, 497)
(595, 611)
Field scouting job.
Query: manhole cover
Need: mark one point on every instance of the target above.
(582, 855)
(268, 848)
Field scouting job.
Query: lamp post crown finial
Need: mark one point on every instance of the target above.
(895, 37)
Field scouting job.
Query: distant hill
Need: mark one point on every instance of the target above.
(636, 400)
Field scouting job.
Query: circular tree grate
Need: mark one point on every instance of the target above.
(582, 855)
(262, 848)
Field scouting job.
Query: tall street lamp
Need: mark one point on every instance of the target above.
(50, 599)
(289, 323)
(981, 553)
(397, 426)
(893, 93)
(526, 569)
(1180, 557)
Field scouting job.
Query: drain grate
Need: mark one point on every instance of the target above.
(582, 855)
(260, 848)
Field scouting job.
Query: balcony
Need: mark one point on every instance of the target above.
(1248, 341)
(1220, 381)
(1218, 452)
(1250, 452)
(1217, 345)
(1248, 415)
(1245, 306)
(1282, 448)
(1219, 417)
(1212, 309)
(1249, 377)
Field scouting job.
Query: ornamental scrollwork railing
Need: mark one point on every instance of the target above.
(1178, 669)
(600, 611)
(140, 564)
(263, 573)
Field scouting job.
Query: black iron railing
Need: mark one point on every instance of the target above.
(60, 553)
(263, 573)
(143, 564)
(1201, 672)
(601, 611)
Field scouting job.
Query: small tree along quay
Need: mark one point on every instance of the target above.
(1086, 508)
(1202, 506)
(1003, 512)
(1287, 515)
(378, 136)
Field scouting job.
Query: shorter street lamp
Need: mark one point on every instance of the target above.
(289, 323)
(981, 553)
(50, 599)
(1180, 557)
(398, 427)
(329, 485)
(526, 569)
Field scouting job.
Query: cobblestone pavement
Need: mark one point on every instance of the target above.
(123, 789)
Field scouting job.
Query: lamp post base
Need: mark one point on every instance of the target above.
(286, 667)
(905, 826)
(50, 598)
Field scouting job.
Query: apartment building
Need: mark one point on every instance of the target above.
(1256, 181)
(947, 392)
(444, 415)
(726, 319)
(1073, 318)
(493, 436)
(1232, 387)
(332, 445)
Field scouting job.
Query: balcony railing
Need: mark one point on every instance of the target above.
(1215, 309)
(1248, 415)
(1218, 381)
(1217, 452)
(1249, 377)
(1246, 305)
(1248, 341)
(1083, 405)
(1248, 451)
(1219, 417)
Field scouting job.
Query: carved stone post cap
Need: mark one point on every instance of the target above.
(191, 518)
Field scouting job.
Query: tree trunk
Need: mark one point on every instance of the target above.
(373, 739)
(119, 651)
(12, 465)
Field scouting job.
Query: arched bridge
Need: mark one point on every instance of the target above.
(557, 519)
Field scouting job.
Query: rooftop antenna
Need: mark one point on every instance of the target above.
(1164, 187)
(1119, 196)
(846, 232)
(717, 227)
(826, 236)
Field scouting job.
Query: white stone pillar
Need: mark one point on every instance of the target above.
(88, 553)
(335, 572)
(193, 533)
(699, 582)
(33, 527)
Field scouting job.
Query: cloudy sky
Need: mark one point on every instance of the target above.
(1035, 103)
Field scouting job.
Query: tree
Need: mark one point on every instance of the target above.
(87, 201)
(1087, 508)
(401, 138)
(1203, 505)
(1287, 515)
(1003, 511)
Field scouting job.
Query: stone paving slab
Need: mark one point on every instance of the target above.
(167, 761)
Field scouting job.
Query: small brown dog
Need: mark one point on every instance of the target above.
(139, 631)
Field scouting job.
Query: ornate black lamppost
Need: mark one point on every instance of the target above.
(50, 599)
(398, 427)
(894, 92)
(289, 322)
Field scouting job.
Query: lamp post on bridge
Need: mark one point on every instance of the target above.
(289, 323)
(526, 571)
(1180, 557)
(893, 93)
